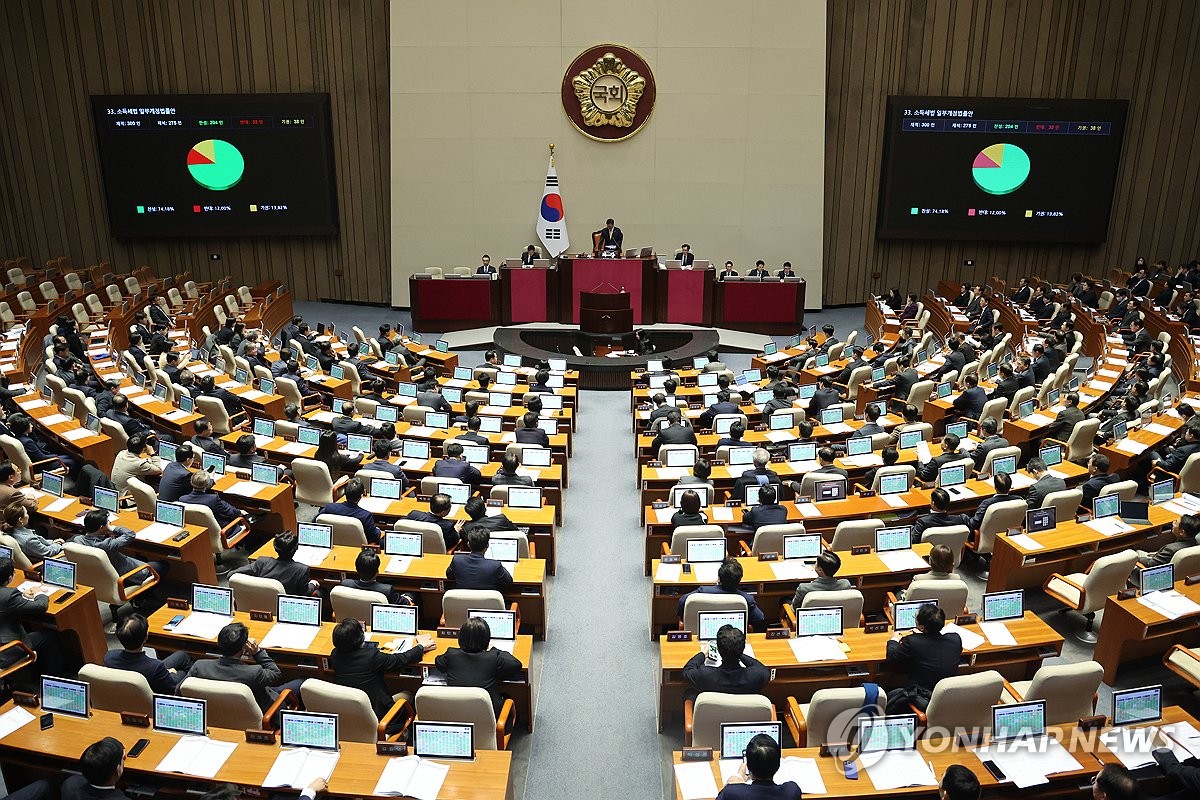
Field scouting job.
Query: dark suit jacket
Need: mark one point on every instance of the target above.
(1174, 461)
(502, 478)
(937, 519)
(822, 399)
(13, 606)
(359, 513)
(1094, 485)
(977, 520)
(685, 258)
(347, 425)
(176, 481)
(1007, 388)
(929, 471)
(493, 523)
(773, 514)
(929, 657)
(76, 787)
(222, 511)
(993, 442)
(955, 360)
(449, 534)
(456, 468)
(970, 403)
(760, 790)
(755, 615)
(532, 436)
(1064, 423)
(384, 589)
(484, 670)
(614, 237)
(903, 382)
(435, 401)
(259, 676)
(152, 669)
(751, 478)
(365, 668)
(1043, 486)
(292, 574)
(473, 571)
(672, 434)
(208, 444)
(1041, 368)
(735, 679)
(706, 419)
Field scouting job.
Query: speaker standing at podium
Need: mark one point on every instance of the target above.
(610, 238)
(685, 256)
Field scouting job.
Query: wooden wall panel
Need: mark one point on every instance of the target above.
(55, 53)
(1131, 49)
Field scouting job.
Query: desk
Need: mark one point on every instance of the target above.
(277, 502)
(530, 294)
(77, 620)
(31, 753)
(633, 275)
(868, 653)
(454, 303)
(96, 448)
(1131, 631)
(771, 306)
(685, 296)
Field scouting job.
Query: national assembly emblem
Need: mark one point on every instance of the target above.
(608, 93)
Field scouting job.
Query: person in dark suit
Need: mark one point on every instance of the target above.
(786, 272)
(939, 515)
(474, 570)
(755, 778)
(927, 654)
(163, 675)
(262, 676)
(349, 507)
(366, 668)
(439, 509)
(902, 382)
(201, 494)
(528, 257)
(909, 312)
(674, 432)
(823, 397)
(507, 474)
(1041, 365)
(231, 402)
(685, 256)
(767, 512)
(485, 268)
(14, 606)
(737, 673)
(1139, 339)
(827, 566)
(283, 567)
(955, 361)
(970, 401)
(1098, 478)
(958, 783)
(759, 271)
(1002, 481)
(987, 316)
(758, 474)
(366, 578)
(779, 402)
(472, 434)
(204, 440)
(1043, 483)
(991, 441)
(382, 450)
(1177, 456)
(531, 433)
(541, 383)
(689, 512)
(176, 478)
(346, 424)
(452, 465)
(928, 470)
(476, 509)
(729, 581)
(1008, 385)
(1023, 292)
(723, 406)
(826, 469)
(475, 663)
(101, 767)
(728, 272)
(611, 237)
(856, 361)
(1066, 419)
(36, 448)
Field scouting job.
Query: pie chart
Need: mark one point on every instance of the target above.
(215, 164)
(1000, 168)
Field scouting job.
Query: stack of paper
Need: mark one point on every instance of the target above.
(695, 780)
(998, 634)
(838, 427)
(865, 460)
(398, 565)
(970, 639)
(672, 473)
(290, 636)
(808, 510)
(1170, 603)
(1023, 764)
(779, 436)
(1038, 419)
(53, 419)
(197, 755)
(664, 514)
(295, 448)
(895, 500)
(376, 505)
(793, 570)
(75, 434)
(720, 513)
(1132, 446)
(202, 625)
(816, 648)
(1158, 429)
(923, 454)
(157, 532)
(1184, 736)
(903, 561)
(299, 767)
(706, 572)
(1109, 526)
(412, 776)
(312, 556)
(668, 572)
(14, 719)
(805, 773)
(1026, 542)
(1133, 746)
(58, 505)
(900, 768)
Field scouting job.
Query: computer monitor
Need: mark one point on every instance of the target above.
(6, 551)
(557, 364)
(657, 381)
(1041, 519)
(959, 429)
(399, 543)
(807, 391)
(393, 620)
(904, 613)
(819, 621)
(442, 346)
(212, 600)
(1136, 706)
(1052, 397)
(740, 456)
(168, 513)
(295, 610)
(783, 421)
(241, 375)
(752, 495)
(999, 606)
(741, 380)
(261, 472)
(896, 732)
(858, 446)
(444, 740)
(721, 425)
(499, 399)
(524, 497)
(770, 348)
(106, 499)
(992, 369)
(878, 374)
(1120, 429)
(952, 475)
(93, 421)
(476, 453)
(62, 696)
(763, 396)
(459, 493)
(406, 389)
(910, 439)
(52, 483)
(1106, 505)
(308, 729)
(1051, 454)
(1162, 491)
(834, 489)
(753, 375)
(1005, 464)
(706, 551)
(823, 360)
(265, 385)
(338, 372)
(805, 546)
(414, 449)
(1157, 579)
(186, 404)
(506, 379)
(736, 736)
(1026, 407)
(709, 622)
(1018, 720)
(491, 424)
(180, 715)
(832, 416)
(437, 419)
(539, 457)
(503, 549)
(358, 443)
(707, 379)
(453, 394)
(699, 362)
(387, 413)
(896, 483)
(264, 427)
(512, 360)
(306, 434)
(315, 534)
(213, 462)
(944, 389)
(802, 451)
(464, 374)
(671, 458)
(502, 624)
(898, 537)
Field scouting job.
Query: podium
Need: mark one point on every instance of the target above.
(605, 313)
(634, 275)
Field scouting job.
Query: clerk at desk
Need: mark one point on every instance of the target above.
(685, 256)
(611, 238)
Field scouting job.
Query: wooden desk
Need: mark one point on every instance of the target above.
(31, 753)
(1131, 631)
(277, 502)
(867, 656)
(77, 620)
(96, 448)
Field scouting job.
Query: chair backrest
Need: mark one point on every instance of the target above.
(1108, 575)
(998, 452)
(244, 296)
(214, 411)
(132, 287)
(1189, 476)
(118, 689)
(1126, 489)
(950, 594)
(92, 568)
(251, 593)
(115, 431)
(717, 420)
(460, 704)
(191, 290)
(1065, 502)
(680, 536)
(416, 413)
(953, 536)
(202, 517)
(356, 603)
(356, 717)
(26, 302)
(769, 538)
(314, 486)
(143, 495)
(850, 600)
(833, 714)
(20, 560)
(965, 701)
(57, 385)
(696, 602)
(685, 448)
(366, 406)
(231, 703)
(456, 603)
(432, 540)
(920, 392)
(347, 531)
(1186, 561)
(995, 409)
(1068, 689)
(289, 391)
(351, 373)
(16, 276)
(854, 533)
(1082, 439)
(175, 297)
(16, 454)
(999, 518)
(429, 483)
(713, 708)
(229, 357)
(855, 380)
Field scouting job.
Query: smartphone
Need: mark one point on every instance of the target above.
(64, 597)
(175, 620)
(687, 568)
(997, 773)
(47, 721)
(137, 748)
(850, 769)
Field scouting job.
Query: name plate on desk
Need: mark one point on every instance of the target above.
(1127, 594)
(671, 559)
(447, 633)
(256, 736)
(733, 503)
(768, 556)
(136, 720)
(696, 754)
(778, 633)
(391, 749)
(1191, 580)
(760, 427)
(25, 699)
(876, 627)
(679, 636)
(495, 503)
(177, 603)
(717, 462)
(656, 464)
(658, 505)
(1095, 722)
(261, 616)
(778, 459)
(866, 493)
(860, 550)
(965, 619)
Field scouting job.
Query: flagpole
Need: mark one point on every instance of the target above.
(552, 154)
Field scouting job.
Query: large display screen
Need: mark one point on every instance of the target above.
(216, 165)
(1000, 169)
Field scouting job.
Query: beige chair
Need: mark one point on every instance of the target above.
(416, 414)
(144, 496)
(732, 419)
(920, 393)
(429, 483)
(1065, 503)
(951, 595)
(1085, 592)
(290, 392)
(94, 306)
(849, 600)
(92, 568)
(895, 469)
(457, 602)
(689, 448)
(1126, 489)
(953, 536)
(1188, 478)
(220, 539)
(20, 560)
(1184, 662)
(31, 471)
(314, 486)
(114, 294)
(356, 603)
(963, 702)
(251, 593)
(1186, 561)
(468, 704)
(118, 689)
(175, 298)
(1068, 689)
(999, 518)
(855, 533)
(214, 411)
(233, 703)
(703, 716)
(832, 715)
(351, 374)
(347, 531)
(132, 287)
(680, 536)
(695, 602)
(356, 717)
(769, 538)
(432, 540)
(1081, 442)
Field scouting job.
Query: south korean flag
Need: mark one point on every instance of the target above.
(552, 219)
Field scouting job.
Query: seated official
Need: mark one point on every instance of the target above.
(382, 452)
(1098, 478)
(507, 474)
(941, 567)
(346, 424)
(231, 402)
(15, 607)
(928, 470)
(541, 383)
(674, 432)
(236, 648)
(1185, 775)
(701, 471)
(474, 570)
(283, 567)
(477, 509)
(685, 256)
(781, 400)
(244, 453)
(439, 509)
(611, 238)
(528, 257)
(958, 783)
(203, 495)
(872, 427)
(366, 569)
(727, 272)
(164, 675)
(826, 469)
(112, 540)
(724, 405)
(453, 465)
(1002, 481)
(890, 456)
(991, 441)
(100, 769)
(119, 413)
(824, 397)
(1044, 483)
(786, 272)
(660, 408)
(176, 480)
(1183, 534)
(531, 433)
(927, 654)
(348, 506)
(737, 673)
(971, 400)
(827, 566)
(485, 267)
(900, 384)
(329, 452)
(430, 395)
(767, 512)
(939, 515)
(475, 663)
(689, 512)
(204, 439)
(759, 474)
(715, 364)
(1116, 782)
(734, 437)
(755, 777)
(729, 581)
(138, 460)
(759, 271)
(33, 544)
(358, 666)
(473, 424)
(386, 433)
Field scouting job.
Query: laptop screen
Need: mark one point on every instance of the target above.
(800, 451)
(952, 475)
(1005, 464)
(1107, 505)
(683, 457)
(1040, 519)
(398, 543)
(752, 498)
(264, 426)
(213, 462)
(699, 362)
(299, 610)
(414, 448)
(264, 473)
(506, 378)
(540, 457)
(723, 424)
(706, 551)
(784, 420)
(1135, 511)
(807, 391)
(831, 416)
(944, 389)
(763, 395)
(753, 375)
(491, 424)
(802, 545)
(999, 606)
(406, 389)
(1120, 429)
(400, 620)
(452, 394)
(897, 538)
(1025, 408)
(770, 348)
(105, 498)
(677, 493)
(476, 453)
(307, 729)
(387, 413)
(502, 549)
(888, 733)
(315, 534)
(710, 622)
(169, 513)
(910, 439)
(385, 488)
(180, 715)
(59, 572)
(1018, 720)
(212, 600)
(905, 613)
(1162, 491)
(1158, 579)
(512, 360)
(463, 374)
(64, 696)
(707, 379)
(740, 456)
(524, 497)
(896, 483)
(502, 624)
(829, 490)
(458, 493)
(499, 399)
(822, 621)
(436, 419)
(959, 429)
(1133, 706)
(736, 736)
(443, 740)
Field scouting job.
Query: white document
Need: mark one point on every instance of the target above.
(672, 473)
(252, 394)
(669, 573)
(865, 460)
(706, 572)
(1100, 386)
(197, 755)
(695, 780)
(808, 510)
(816, 648)
(961, 492)
(1158, 429)
(838, 427)
(792, 570)
(1021, 480)
(312, 556)
(1038, 419)
(1109, 526)
(664, 514)
(998, 634)
(1027, 542)
(177, 414)
(30, 405)
(157, 532)
(1109, 373)
(419, 432)
(1132, 446)
(202, 625)
(17, 717)
(923, 454)
(412, 776)
(1024, 766)
(246, 488)
(75, 434)
(376, 505)
(1170, 603)
(895, 500)
(398, 565)
(295, 448)
(970, 639)
(290, 636)
(1132, 745)
(903, 561)
(727, 768)
(143, 400)
(720, 513)
(53, 419)
(900, 768)
(58, 505)
(299, 767)
(779, 436)
(804, 771)
(1185, 735)
(799, 467)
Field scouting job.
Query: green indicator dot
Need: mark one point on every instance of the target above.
(141, 209)
(914, 211)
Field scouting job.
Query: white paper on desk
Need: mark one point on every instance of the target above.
(728, 767)
(816, 648)
(324, 416)
(779, 436)
(1132, 446)
(398, 565)
(37, 587)
(17, 717)
(300, 767)
(903, 561)
(800, 467)
(838, 427)
(157, 532)
(895, 500)
(792, 570)
(30, 405)
(900, 768)
(412, 776)
(529, 472)
(376, 505)
(58, 505)
(253, 394)
(1132, 746)
(1158, 429)
(197, 755)
(295, 448)
(664, 514)
(53, 419)
(1184, 736)
(668, 572)
(290, 636)
(865, 460)
(1100, 386)
(143, 400)
(75, 434)
(419, 431)
(202, 625)
(961, 493)
(1109, 373)
(998, 634)
(808, 510)
(1109, 526)
(1038, 419)
(721, 513)
(1023, 764)
(1026, 542)
(695, 780)
(1182, 505)
(970, 639)
(312, 556)
(804, 771)
(1170, 603)
(1021, 480)
(246, 488)
(706, 572)
(673, 473)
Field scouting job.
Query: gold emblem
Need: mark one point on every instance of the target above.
(608, 92)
